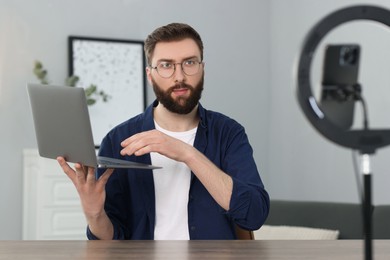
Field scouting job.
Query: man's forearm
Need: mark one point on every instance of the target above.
(101, 227)
(217, 183)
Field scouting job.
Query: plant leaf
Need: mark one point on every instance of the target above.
(72, 80)
(90, 90)
(91, 101)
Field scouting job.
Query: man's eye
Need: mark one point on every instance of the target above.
(189, 63)
(165, 65)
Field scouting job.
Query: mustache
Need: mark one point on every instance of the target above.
(179, 86)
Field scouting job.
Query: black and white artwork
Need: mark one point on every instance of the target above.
(117, 68)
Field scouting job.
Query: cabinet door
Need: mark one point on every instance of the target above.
(51, 206)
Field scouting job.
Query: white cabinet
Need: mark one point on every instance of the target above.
(51, 206)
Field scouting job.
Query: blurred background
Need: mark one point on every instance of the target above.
(251, 47)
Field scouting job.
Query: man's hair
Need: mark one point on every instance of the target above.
(168, 33)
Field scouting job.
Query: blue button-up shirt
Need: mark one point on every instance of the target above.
(130, 197)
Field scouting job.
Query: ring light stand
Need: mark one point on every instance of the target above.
(367, 141)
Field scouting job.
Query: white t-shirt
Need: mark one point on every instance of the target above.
(172, 185)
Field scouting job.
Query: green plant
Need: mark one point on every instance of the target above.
(92, 93)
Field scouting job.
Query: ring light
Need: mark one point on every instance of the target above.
(366, 141)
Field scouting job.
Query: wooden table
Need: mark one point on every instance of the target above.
(205, 250)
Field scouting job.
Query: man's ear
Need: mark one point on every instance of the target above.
(148, 75)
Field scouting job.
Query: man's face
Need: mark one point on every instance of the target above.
(179, 93)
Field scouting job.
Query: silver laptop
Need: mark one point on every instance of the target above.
(63, 127)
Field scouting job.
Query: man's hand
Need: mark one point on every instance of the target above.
(156, 141)
(92, 196)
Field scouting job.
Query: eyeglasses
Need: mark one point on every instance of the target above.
(166, 69)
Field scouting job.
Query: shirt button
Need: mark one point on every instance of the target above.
(193, 228)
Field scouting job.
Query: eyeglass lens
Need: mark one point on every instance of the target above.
(189, 67)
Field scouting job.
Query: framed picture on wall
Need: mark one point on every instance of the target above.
(116, 67)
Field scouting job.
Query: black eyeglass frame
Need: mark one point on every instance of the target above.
(174, 68)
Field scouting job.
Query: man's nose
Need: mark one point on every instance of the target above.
(179, 74)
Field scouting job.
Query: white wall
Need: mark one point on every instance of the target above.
(302, 164)
(235, 35)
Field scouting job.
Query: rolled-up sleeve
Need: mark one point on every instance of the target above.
(249, 204)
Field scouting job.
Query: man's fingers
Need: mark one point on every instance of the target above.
(66, 168)
(81, 174)
(91, 175)
(138, 141)
(106, 175)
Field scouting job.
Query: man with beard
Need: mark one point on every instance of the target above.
(209, 182)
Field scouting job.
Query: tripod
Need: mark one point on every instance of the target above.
(367, 206)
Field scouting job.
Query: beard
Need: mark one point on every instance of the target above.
(180, 105)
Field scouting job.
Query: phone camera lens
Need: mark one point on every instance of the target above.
(349, 55)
